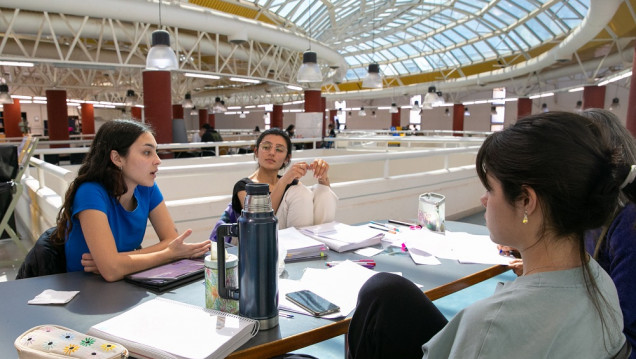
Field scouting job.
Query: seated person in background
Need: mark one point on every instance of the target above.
(548, 178)
(216, 136)
(207, 136)
(106, 208)
(294, 204)
(614, 245)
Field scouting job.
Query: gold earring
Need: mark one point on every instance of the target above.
(525, 217)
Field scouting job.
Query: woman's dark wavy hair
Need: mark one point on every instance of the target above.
(97, 166)
(276, 132)
(575, 172)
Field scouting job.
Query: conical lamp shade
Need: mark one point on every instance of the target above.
(373, 79)
(309, 71)
(161, 56)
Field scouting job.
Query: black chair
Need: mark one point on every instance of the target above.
(44, 258)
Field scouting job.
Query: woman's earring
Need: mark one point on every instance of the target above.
(525, 217)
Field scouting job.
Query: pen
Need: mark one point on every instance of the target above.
(285, 315)
(383, 229)
(367, 263)
(385, 226)
(406, 224)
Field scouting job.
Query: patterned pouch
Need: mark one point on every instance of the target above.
(54, 341)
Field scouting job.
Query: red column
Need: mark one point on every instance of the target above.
(177, 111)
(395, 118)
(323, 108)
(524, 107)
(203, 116)
(157, 103)
(57, 116)
(594, 97)
(313, 101)
(631, 104)
(276, 119)
(212, 120)
(458, 118)
(88, 118)
(12, 118)
(135, 112)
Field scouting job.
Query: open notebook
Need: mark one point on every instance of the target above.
(342, 237)
(163, 328)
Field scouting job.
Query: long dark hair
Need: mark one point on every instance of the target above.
(622, 140)
(277, 132)
(97, 166)
(573, 169)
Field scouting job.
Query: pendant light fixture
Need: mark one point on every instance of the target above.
(416, 106)
(616, 104)
(466, 112)
(194, 111)
(5, 98)
(187, 101)
(219, 106)
(362, 112)
(544, 108)
(373, 78)
(579, 106)
(447, 112)
(309, 71)
(131, 98)
(160, 56)
(394, 108)
(432, 98)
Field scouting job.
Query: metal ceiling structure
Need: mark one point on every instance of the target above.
(96, 49)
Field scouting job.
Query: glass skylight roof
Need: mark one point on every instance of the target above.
(413, 36)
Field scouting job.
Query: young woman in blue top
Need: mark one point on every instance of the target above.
(103, 219)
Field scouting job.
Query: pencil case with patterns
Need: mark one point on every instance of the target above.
(54, 341)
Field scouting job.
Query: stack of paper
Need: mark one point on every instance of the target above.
(299, 246)
(342, 237)
(163, 328)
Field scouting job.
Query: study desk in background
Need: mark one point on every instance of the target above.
(99, 300)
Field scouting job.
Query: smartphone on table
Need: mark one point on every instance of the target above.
(312, 302)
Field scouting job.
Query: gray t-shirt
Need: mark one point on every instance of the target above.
(543, 315)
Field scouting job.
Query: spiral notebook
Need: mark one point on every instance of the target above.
(164, 328)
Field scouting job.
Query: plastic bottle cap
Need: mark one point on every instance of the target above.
(257, 188)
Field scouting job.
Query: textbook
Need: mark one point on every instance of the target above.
(300, 246)
(342, 237)
(167, 329)
(169, 275)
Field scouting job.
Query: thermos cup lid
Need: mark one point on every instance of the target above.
(257, 188)
(230, 261)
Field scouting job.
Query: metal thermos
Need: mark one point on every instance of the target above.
(257, 232)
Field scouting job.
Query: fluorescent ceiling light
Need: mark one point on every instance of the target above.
(576, 89)
(202, 76)
(16, 63)
(295, 88)
(241, 79)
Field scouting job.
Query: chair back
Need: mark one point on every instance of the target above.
(44, 258)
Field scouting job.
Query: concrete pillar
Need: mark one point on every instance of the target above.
(158, 103)
(12, 118)
(57, 115)
(88, 118)
(524, 107)
(594, 97)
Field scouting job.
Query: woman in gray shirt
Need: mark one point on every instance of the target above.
(549, 177)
